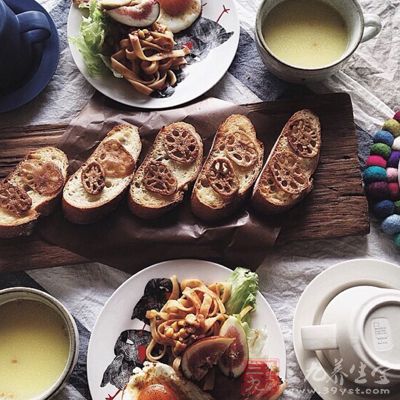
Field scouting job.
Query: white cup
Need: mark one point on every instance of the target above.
(360, 332)
(360, 28)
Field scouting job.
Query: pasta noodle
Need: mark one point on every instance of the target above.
(198, 312)
(147, 59)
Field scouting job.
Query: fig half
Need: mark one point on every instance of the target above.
(140, 15)
(202, 355)
(234, 361)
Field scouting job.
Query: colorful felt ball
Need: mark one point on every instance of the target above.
(397, 116)
(376, 160)
(391, 225)
(374, 174)
(384, 137)
(396, 144)
(396, 240)
(392, 174)
(394, 159)
(393, 126)
(394, 190)
(378, 190)
(397, 207)
(381, 149)
(384, 208)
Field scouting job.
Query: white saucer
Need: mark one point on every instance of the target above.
(309, 311)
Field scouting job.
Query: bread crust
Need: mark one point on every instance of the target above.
(260, 201)
(234, 125)
(158, 204)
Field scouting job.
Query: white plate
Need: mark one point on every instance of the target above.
(309, 311)
(116, 318)
(200, 76)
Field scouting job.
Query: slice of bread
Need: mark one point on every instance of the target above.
(287, 175)
(97, 187)
(173, 162)
(31, 190)
(231, 168)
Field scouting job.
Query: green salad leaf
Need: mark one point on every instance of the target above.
(91, 39)
(244, 287)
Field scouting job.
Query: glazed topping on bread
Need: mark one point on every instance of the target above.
(158, 178)
(115, 159)
(304, 136)
(93, 178)
(14, 199)
(222, 178)
(288, 173)
(241, 149)
(44, 178)
(181, 145)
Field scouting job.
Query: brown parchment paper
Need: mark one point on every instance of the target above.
(123, 241)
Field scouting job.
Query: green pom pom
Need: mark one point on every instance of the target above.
(397, 240)
(397, 207)
(392, 126)
(381, 149)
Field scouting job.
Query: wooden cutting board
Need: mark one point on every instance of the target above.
(336, 208)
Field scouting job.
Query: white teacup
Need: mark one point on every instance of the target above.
(360, 335)
(360, 28)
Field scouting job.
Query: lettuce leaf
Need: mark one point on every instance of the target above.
(244, 287)
(91, 40)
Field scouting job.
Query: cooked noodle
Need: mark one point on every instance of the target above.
(198, 312)
(147, 59)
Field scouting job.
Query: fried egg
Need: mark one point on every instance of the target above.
(157, 381)
(180, 18)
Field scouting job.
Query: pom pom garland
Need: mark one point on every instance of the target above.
(393, 126)
(384, 208)
(384, 137)
(377, 161)
(394, 159)
(396, 144)
(391, 224)
(378, 190)
(392, 175)
(397, 116)
(394, 191)
(381, 149)
(374, 174)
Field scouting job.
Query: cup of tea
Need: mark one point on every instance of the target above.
(18, 34)
(360, 330)
(309, 40)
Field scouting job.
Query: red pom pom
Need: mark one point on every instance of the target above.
(397, 116)
(378, 191)
(375, 160)
(394, 190)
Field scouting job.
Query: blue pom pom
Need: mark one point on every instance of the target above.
(384, 208)
(374, 174)
(384, 137)
(391, 225)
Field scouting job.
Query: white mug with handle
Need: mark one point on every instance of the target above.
(359, 335)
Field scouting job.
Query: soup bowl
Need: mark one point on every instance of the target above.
(68, 325)
(360, 28)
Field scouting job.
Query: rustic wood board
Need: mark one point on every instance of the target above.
(336, 208)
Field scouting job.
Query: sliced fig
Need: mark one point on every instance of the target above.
(110, 4)
(234, 361)
(139, 15)
(202, 355)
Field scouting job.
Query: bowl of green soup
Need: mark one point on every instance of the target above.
(309, 40)
(39, 344)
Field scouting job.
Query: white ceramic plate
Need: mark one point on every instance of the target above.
(200, 76)
(116, 318)
(309, 311)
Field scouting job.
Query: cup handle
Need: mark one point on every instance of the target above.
(372, 26)
(319, 337)
(34, 25)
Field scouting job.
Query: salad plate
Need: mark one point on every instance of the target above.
(216, 32)
(115, 319)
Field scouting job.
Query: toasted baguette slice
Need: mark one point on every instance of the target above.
(180, 160)
(40, 177)
(238, 154)
(117, 156)
(287, 175)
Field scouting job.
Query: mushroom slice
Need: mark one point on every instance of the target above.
(222, 178)
(115, 159)
(181, 145)
(241, 150)
(44, 178)
(14, 199)
(304, 136)
(93, 178)
(158, 178)
(288, 173)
